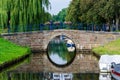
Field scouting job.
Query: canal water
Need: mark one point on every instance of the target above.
(61, 52)
(54, 76)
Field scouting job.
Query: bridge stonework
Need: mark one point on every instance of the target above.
(38, 41)
(83, 62)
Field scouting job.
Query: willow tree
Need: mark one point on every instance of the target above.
(22, 12)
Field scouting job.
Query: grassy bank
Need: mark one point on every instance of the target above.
(10, 51)
(110, 48)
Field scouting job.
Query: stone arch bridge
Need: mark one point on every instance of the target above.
(84, 40)
(38, 41)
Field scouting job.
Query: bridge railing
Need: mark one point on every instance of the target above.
(53, 26)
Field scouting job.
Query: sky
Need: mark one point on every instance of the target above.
(58, 5)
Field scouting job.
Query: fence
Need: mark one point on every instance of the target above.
(53, 26)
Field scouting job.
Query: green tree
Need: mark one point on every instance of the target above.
(97, 11)
(22, 12)
(60, 16)
(110, 11)
(73, 11)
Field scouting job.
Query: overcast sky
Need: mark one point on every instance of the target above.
(57, 5)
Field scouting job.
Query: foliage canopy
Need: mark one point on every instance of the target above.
(60, 16)
(94, 11)
(23, 12)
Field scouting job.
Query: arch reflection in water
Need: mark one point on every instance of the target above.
(61, 50)
(105, 76)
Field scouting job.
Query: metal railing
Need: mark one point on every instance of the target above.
(52, 26)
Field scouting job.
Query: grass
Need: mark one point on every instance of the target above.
(110, 48)
(10, 51)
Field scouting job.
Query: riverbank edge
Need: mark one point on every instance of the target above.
(111, 48)
(8, 64)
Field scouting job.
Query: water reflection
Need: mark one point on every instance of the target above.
(49, 76)
(105, 76)
(56, 58)
(54, 76)
(61, 50)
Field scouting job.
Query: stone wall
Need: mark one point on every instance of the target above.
(83, 62)
(38, 41)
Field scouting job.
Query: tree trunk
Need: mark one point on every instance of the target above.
(117, 24)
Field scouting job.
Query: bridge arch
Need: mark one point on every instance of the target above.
(51, 36)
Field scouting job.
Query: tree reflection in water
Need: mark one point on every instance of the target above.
(59, 50)
(49, 76)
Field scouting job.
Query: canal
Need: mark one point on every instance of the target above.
(23, 72)
(9, 75)
(59, 62)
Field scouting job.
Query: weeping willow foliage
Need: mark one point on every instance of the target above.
(22, 12)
